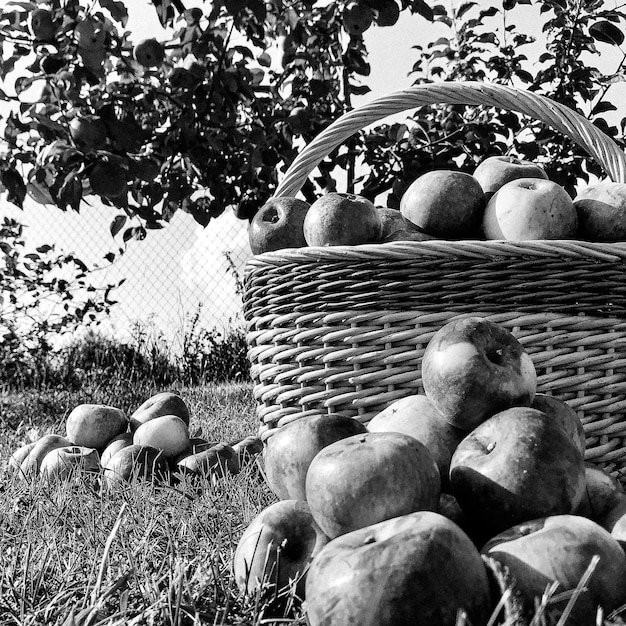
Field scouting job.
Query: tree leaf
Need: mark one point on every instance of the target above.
(15, 186)
(117, 224)
(607, 32)
(118, 10)
(422, 8)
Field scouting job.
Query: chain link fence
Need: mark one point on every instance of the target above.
(176, 274)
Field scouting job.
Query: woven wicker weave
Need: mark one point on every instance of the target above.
(343, 329)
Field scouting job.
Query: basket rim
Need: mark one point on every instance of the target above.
(570, 123)
(476, 249)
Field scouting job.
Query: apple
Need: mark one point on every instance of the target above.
(388, 14)
(149, 53)
(30, 465)
(367, 478)
(416, 415)
(418, 569)
(278, 224)
(108, 175)
(564, 415)
(164, 403)
(136, 462)
(560, 549)
(95, 425)
(336, 219)
(472, 368)
(168, 433)
(397, 228)
(494, 171)
(288, 453)
(277, 547)
(42, 25)
(444, 203)
(194, 445)
(601, 211)
(530, 208)
(356, 17)
(90, 34)
(15, 460)
(62, 464)
(603, 493)
(516, 466)
(247, 449)
(216, 461)
(614, 520)
(88, 132)
(117, 443)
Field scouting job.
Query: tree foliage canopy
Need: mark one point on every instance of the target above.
(206, 117)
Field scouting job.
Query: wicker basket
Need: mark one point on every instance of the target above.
(343, 329)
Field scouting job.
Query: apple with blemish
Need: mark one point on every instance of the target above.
(62, 464)
(117, 443)
(560, 549)
(444, 203)
(495, 171)
(168, 433)
(416, 415)
(278, 224)
(31, 464)
(516, 466)
(136, 463)
(418, 569)
(164, 403)
(601, 211)
(603, 493)
(95, 425)
(337, 219)
(288, 453)
(365, 479)
(277, 547)
(564, 415)
(530, 208)
(473, 368)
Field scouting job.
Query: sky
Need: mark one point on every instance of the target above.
(177, 268)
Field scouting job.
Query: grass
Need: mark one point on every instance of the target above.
(145, 555)
(73, 555)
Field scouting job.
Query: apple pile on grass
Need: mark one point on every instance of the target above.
(504, 199)
(442, 501)
(153, 444)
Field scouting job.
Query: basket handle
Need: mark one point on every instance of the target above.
(570, 123)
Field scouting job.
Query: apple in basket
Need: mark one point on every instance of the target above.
(368, 478)
(601, 212)
(472, 368)
(397, 228)
(419, 569)
(495, 171)
(416, 415)
(278, 224)
(530, 208)
(561, 549)
(288, 453)
(516, 466)
(337, 219)
(277, 547)
(444, 203)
